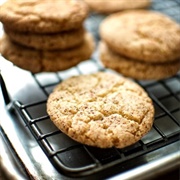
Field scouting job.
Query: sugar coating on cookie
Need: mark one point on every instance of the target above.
(111, 6)
(136, 69)
(101, 109)
(47, 16)
(143, 35)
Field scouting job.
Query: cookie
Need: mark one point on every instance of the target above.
(101, 109)
(112, 6)
(136, 69)
(143, 35)
(39, 61)
(47, 16)
(62, 40)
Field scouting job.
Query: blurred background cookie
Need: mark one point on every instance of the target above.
(134, 68)
(142, 39)
(112, 6)
(47, 16)
(45, 35)
(61, 40)
(141, 34)
(43, 60)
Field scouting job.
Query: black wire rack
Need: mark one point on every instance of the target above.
(75, 159)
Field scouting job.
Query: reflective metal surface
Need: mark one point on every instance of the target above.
(10, 165)
(32, 157)
(153, 168)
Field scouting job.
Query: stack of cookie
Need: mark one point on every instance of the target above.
(45, 35)
(140, 44)
(112, 6)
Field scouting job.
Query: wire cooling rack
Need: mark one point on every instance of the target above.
(75, 159)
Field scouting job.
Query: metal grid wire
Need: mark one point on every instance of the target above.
(74, 159)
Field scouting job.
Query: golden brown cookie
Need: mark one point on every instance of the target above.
(134, 68)
(62, 40)
(143, 35)
(112, 6)
(101, 109)
(47, 16)
(39, 61)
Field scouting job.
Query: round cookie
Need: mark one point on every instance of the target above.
(101, 109)
(112, 6)
(136, 69)
(47, 16)
(143, 35)
(62, 40)
(39, 61)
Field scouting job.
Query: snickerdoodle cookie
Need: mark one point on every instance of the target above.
(47, 16)
(143, 35)
(111, 6)
(134, 68)
(39, 60)
(101, 109)
(62, 40)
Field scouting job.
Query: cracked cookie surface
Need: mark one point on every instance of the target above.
(101, 109)
(47, 16)
(143, 35)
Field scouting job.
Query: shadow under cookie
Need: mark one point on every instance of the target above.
(134, 68)
(48, 61)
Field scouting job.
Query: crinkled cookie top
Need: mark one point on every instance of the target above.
(47, 16)
(101, 109)
(142, 35)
